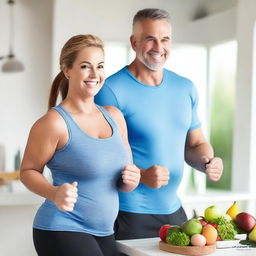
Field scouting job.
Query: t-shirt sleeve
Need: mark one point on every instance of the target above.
(106, 97)
(195, 122)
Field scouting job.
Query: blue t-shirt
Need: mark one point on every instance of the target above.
(96, 165)
(158, 119)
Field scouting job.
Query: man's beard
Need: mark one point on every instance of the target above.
(153, 67)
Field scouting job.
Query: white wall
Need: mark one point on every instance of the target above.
(216, 28)
(23, 96)
(112, 21)
(244, 133)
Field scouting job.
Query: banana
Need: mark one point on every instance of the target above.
(233, 210)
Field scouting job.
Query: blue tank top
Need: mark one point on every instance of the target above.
(96, 165)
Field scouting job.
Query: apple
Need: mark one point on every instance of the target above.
(192, 226)
(203, 222)
(163, 231)
(198, 240)
(215, 225)
(245, 221)
(211, 213)
(210, 233)
(218, 238)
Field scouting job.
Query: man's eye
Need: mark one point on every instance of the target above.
(101, 67)
(84, 66)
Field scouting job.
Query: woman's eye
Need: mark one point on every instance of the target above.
(101, 67)
(84, 66)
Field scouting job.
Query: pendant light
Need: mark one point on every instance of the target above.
(11, 64)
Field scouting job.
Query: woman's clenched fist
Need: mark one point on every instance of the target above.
(66, 196)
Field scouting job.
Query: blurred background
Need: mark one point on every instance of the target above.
(213, 45)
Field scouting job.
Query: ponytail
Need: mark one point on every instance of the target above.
(59, 86)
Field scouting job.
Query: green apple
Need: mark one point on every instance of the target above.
(211, 213)
(192, 226)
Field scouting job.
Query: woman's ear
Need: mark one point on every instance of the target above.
(66, 73)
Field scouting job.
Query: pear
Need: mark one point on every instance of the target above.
(252, 234)
(233, 210)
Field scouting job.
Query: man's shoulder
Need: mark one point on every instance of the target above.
(117, 77)
(173, 76)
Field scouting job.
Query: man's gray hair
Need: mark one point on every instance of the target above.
(151, 13)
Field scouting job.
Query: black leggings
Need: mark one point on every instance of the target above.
(66, 243)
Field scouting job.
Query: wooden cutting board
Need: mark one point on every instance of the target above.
(187, 250)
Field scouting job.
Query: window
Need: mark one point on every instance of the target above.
(222, 98)
(216, 103)
(191, 61)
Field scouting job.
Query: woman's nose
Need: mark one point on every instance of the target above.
(93, 72)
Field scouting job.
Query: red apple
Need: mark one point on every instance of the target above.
(215, 225)
(163, 230)
(245, 221)
(218, 238)
(203, 222)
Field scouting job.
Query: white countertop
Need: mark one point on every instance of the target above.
(149, 247)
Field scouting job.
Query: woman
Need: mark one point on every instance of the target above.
(86, 148)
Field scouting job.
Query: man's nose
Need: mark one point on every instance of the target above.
(158, 46)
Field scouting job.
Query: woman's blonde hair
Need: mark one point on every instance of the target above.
(68, 55)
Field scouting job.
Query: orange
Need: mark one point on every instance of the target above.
(210, 233)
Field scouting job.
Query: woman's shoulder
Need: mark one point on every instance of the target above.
(50, 122)
(113, 111)
(117, 116)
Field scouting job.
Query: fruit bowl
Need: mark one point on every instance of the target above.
(187, 250)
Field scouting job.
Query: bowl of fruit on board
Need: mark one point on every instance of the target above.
(202, 235)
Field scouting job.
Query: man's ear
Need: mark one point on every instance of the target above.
(133, 42)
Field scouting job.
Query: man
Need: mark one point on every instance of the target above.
(160, 108)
